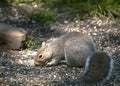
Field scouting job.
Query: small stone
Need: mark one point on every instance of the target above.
(65, 22)
(94, 34)
(76, 21)
(99, 22)
(19, 62)
(11, 37)
(95, 27)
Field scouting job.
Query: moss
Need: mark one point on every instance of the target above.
(45, 17)
(30, 43)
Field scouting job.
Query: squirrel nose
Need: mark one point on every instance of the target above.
(36, 63)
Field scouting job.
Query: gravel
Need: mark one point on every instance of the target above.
(17, 66)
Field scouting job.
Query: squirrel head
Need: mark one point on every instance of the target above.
(43, 54)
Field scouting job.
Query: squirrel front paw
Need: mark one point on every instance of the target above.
(51, 63)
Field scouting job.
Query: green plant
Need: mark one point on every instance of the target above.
(45, 17)
(107, 8)
(79, 8)
(73, 9)
(30, 43)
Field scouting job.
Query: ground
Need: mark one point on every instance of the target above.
(17, 68)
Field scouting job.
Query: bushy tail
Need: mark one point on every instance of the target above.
(98, 68)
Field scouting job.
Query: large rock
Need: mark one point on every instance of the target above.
(11, 37)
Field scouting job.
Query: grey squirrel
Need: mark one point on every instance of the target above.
(78, 50)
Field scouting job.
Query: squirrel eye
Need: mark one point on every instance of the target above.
(40, 56)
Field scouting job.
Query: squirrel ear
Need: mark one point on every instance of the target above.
(43, 44)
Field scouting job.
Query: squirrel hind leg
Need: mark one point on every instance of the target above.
(72, 57)
(98, 68)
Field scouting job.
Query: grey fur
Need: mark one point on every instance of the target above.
(74, 47)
